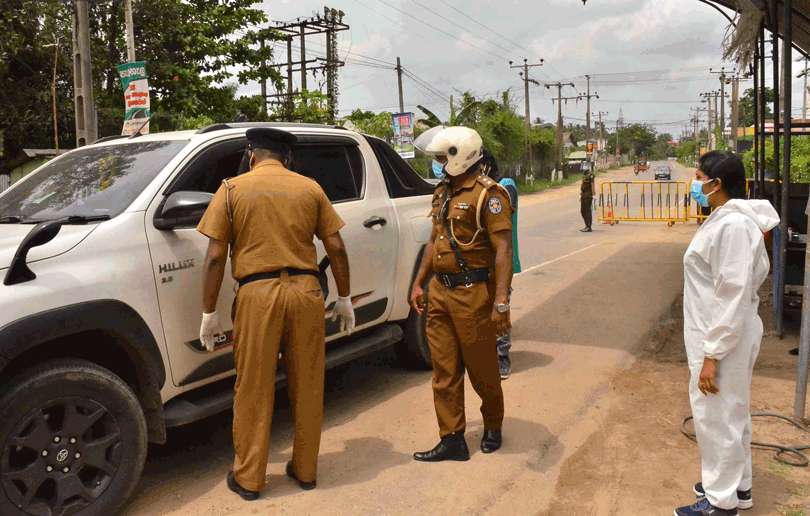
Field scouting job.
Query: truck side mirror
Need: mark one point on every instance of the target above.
(182, 209)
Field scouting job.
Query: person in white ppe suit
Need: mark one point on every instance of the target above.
(724, 267)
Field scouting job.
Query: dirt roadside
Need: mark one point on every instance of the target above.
(639, 457)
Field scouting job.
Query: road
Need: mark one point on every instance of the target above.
(581, 311)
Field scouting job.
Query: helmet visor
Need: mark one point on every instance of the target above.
(424, 142)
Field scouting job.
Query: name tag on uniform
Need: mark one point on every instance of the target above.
(462, 206)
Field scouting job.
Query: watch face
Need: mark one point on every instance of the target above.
(502, 308)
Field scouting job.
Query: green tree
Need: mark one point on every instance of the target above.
(375, 124)
(747, 103)
(635, 139)
(196, 51)
(799, 160)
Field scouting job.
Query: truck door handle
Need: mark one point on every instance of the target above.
(375, 221)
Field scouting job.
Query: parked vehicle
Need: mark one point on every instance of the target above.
(100, 304)
(663, 173)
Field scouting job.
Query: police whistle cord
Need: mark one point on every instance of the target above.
(786, 454)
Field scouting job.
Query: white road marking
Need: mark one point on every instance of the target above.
(555, 260)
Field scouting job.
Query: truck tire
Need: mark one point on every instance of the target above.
(413, 351)
(72, 440)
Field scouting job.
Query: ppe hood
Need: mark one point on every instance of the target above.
(761, 212)
(11, 235)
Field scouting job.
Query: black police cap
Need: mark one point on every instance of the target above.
(268, 137)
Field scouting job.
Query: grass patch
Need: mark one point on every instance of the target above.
(541, 185)
(788, 511)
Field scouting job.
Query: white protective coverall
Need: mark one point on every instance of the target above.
(724, 267)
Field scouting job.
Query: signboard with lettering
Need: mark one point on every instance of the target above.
(403, 134)
(136, 97)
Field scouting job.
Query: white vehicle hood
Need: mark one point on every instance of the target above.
(11, 235)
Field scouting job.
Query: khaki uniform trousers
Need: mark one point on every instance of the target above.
(461, 335)
(268, 312)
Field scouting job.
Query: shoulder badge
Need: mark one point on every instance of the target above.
(495, 205)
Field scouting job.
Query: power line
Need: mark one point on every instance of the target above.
(459, 11)
(442, 31)
(430, 10)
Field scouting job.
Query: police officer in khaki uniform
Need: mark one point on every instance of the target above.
(268, 217)
(470, 257)
(586, 197)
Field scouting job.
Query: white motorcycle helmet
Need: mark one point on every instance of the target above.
(462, 146)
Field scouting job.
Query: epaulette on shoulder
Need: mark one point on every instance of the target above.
(487, 182)
(228, 183)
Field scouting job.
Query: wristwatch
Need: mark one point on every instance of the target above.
(502, 308)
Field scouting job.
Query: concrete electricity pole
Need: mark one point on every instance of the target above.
(601, 141)
(131, 30)
(84, 101)
(723, 76)
(588, 97)
(527, 106)
(804, 88)
(559, 99)
(735, 110)
(399, 86)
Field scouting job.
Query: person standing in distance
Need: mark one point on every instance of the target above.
(470, 257)
(268, 217)
(490, 167)
(586, 192)
(724, 267)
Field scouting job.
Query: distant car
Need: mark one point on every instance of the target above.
(663, 173)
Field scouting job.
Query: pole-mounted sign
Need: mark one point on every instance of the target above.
(136, 97)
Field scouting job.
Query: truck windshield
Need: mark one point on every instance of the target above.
(90, 182)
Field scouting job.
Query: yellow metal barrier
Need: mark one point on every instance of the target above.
(646, 201)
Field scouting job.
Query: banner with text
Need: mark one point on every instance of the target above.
(136, 97)
(403, 134)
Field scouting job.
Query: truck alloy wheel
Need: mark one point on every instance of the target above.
(72, 441)
(61, 457)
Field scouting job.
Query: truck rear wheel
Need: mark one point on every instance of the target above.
(72, 439)
(413, 351)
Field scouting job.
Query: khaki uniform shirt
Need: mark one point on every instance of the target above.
(276, 213)
(586, 190)
(496, 216)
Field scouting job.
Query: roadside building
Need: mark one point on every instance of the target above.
(26, 161)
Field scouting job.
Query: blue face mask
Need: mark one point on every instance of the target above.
(697, 193)
(438, 169)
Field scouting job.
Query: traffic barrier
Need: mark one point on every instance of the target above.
(647, 201)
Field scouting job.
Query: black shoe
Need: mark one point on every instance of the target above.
(703, 508)
(234, 486)
(744, 498)
(451, 447)
(491, 441)
(306, 486)
(585, 230)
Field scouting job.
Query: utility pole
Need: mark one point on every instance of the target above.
(804, 88)
(707, 97)
(601, 140)
(130, 30)
(559, 100)
(735, 110)
(722, 73)
(588, 97)
(84, 101)
(263, 81)
(399, 84)
(526, 103)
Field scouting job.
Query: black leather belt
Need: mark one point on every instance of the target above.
(463, 278)
(273, 275)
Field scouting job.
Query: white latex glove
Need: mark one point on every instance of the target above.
(345, 310)
(209, 329)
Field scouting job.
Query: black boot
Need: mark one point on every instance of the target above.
(451, 447)
(491, 441)
(306, 486)
(234, 486)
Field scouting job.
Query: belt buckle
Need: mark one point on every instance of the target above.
(446, 280)
(468, 277)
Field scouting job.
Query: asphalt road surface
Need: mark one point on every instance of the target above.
(581, 310)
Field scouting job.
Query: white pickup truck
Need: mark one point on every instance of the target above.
(101, 298)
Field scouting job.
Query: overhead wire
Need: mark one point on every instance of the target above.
(442, 31)
(448, 20)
